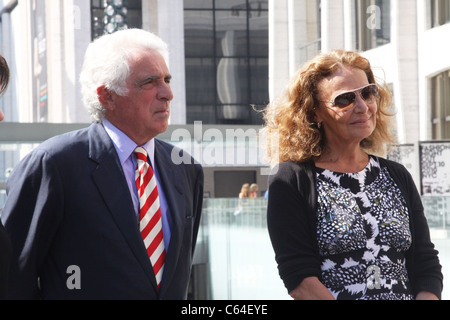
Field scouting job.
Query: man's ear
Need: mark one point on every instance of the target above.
(105, 96)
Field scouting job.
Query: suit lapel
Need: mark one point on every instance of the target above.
(168, 173)
(111, 183)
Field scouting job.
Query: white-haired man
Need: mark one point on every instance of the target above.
(103, 212)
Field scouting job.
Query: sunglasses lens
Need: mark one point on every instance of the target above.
(369, 93)
(343, 100)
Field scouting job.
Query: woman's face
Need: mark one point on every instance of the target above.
(353, 123)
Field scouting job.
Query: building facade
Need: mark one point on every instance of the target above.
(404, 40)
(229, 58)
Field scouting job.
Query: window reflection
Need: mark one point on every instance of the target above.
(439, 12)
(373, 26)
(226, 51)
(109, 16)
(440, 105)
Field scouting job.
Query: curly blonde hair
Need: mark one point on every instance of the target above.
(290, 128)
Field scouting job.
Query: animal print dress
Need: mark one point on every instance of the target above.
(363, 233)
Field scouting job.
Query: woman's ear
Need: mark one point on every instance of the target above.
(105, 96)
(317, 117)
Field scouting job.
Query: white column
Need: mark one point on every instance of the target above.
(77, 36)
(349, 24)
(278, 47)
(332, 25)
(404, 42)
(55, 62)
(22, 50)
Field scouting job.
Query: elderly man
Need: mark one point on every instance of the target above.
(103, 212)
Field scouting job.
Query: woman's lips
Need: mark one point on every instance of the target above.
(361, 121)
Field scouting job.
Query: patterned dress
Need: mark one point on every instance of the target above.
(363, 234)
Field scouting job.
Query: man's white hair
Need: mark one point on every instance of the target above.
(106, 63)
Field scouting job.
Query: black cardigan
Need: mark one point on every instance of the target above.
(291, 219)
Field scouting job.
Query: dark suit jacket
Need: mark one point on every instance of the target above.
(69, 205)
(5, 258)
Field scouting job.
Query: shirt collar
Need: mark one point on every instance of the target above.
(124, 145)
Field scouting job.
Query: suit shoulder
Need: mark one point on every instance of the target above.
(163, 144)
(65, 142)
(63, 148)
(177, 155)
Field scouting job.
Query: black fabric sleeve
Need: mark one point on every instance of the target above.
(289, 225)
(424, 268)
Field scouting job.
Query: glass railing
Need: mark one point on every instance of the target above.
(437, 211)
(234, 245)
(240, 255)
(241, 258)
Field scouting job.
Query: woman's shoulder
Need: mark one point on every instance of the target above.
(392, 165)
(299, 175)
(287, 168)
(397, 171)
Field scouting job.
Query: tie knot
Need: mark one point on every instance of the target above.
(141, 154)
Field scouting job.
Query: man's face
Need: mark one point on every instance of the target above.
(144, 111)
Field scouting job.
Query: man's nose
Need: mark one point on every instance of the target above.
(165, 92)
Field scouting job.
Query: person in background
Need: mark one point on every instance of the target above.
(344, 223)
(4, 80)
(244, 191)
(253, 191)
(104, 212)
(5, 243)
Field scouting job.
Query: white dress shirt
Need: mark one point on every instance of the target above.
(125, 149)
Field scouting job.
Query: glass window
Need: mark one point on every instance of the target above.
(258, 5)
(440, 109)
(109, 16)
(226, 48)
(198, 4)
(231, 34)
(439, 12)
(259, 34)
(236, 5)
(198, 33)
(232, 80)
(200, 81)
(203, 113)
(373, 26)
(259, 86)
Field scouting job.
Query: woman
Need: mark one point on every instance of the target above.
(244, 191)
(253, 191)
(344, 223)
(4, 79)
(5, 243)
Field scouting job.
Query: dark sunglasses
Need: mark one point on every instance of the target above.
(368, 93)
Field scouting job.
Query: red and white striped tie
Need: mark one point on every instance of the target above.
(150, 213)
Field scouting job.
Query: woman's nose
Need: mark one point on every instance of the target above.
(360, 104)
